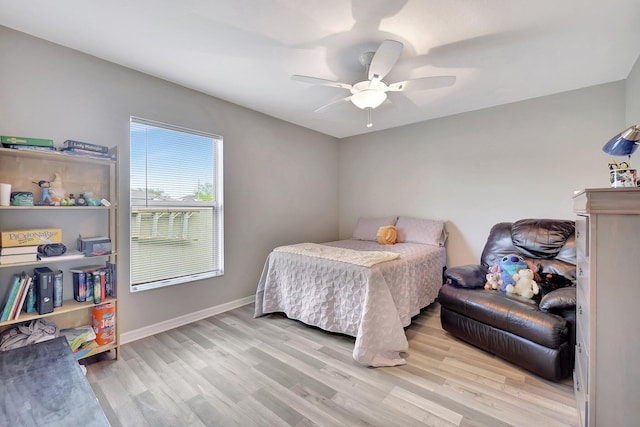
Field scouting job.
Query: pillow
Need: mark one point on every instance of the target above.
(559, 299)
(367, 228)
(425, 231)
(466, 276)
(387, 235)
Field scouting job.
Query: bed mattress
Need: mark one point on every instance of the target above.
(373, 304)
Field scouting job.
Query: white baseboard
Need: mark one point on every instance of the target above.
(147, 331)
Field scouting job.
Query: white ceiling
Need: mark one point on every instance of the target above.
(245, 51)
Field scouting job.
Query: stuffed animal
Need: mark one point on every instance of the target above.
(507, 267)
(387, 235)
(549, 282)
(494, 281)
(524, 284)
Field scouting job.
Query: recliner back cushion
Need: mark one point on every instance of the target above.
(549, 244)
(541, 238)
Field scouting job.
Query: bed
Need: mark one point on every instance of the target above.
(371, 301)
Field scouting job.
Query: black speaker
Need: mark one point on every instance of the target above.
(44, 289)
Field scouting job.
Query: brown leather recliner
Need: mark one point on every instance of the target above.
(539, 337)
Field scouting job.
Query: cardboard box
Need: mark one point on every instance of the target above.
(94, 246)
(32, 237)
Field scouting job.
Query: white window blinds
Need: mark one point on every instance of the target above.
(176, 205)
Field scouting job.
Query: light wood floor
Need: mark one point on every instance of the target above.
(234, 370)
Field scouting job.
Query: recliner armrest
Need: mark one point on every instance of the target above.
(466, 276)
(560, 299)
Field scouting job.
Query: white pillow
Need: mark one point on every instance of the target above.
(417, 230)
(367, 228)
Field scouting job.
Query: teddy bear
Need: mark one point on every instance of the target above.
(509, 265)
(387, 235)
(524, 285)
(494, 281)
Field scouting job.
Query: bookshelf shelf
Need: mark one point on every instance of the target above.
(61, 258)
(68, 306)
(80, 174)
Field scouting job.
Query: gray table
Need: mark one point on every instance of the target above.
(43, 385)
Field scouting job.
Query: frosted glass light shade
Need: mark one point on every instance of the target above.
(368, 98)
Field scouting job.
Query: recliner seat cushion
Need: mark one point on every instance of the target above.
(516, 315)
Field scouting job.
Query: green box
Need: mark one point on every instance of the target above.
(20, 140)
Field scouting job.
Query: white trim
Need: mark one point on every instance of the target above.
(176, 322)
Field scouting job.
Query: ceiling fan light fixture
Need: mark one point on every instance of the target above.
(368, 98)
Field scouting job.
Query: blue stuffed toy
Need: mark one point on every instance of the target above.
(508, 266)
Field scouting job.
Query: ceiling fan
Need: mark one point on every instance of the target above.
(371, 93)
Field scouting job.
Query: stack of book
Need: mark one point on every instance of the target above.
(80, 339)
(81, 148)
(22, 143)
(18, 289)
(94, 283)
(14, 255)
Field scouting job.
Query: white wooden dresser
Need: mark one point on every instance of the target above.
(607, 370)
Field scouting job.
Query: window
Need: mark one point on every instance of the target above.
(176, 205)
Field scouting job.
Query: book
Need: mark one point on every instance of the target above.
(17, 250)
(29, 147)
(78, 336)
(79, 287)
(20, 140)
(91, 155)
(22, 295)
(110, 279)
(80, 150)
(30, 300)
(57, 288)
(14, 259)
(71, 144)
(11, 297)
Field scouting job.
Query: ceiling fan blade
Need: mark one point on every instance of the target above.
(384, 59)
(319, 81)
(332, 103)
(422, 83)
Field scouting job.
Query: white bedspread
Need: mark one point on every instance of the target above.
(351, 256)
(371, 304)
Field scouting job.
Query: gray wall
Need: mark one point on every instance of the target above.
(281, 181)
(633, 96)
(521, 160)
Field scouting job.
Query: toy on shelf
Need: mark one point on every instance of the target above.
(57, 190)
(46, 198)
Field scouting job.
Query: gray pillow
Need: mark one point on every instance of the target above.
(417, 230)
(367, 228)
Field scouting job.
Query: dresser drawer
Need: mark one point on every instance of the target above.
(579, 375)
(582, 235)
(582, 314)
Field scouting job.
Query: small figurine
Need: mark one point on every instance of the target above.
(56, 189)
(44, 185)
(81, 201)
